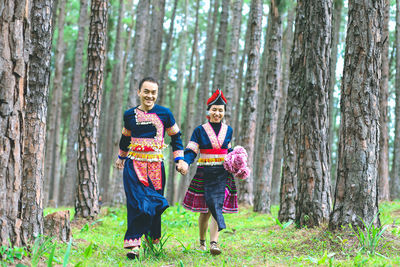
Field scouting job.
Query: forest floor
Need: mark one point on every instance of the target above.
(251, 239)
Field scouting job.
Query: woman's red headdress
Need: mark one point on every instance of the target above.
(217, 98)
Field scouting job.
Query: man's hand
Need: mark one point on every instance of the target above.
(182, 167)
(119, 163)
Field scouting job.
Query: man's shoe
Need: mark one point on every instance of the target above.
(214, 249)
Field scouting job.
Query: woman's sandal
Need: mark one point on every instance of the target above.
(133, 253)
(214, 249)
(203, 245)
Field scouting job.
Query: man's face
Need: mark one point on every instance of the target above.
(148, 95)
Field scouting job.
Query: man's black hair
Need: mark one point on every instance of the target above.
(147, 79)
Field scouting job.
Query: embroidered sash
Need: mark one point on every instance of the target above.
(145, 170)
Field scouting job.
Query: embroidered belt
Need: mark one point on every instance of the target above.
(212, 157)
(146, 144)
(149, 156)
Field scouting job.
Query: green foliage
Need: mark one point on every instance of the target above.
(86, 255)
(251, 239)
(41, 247)
(283, 225)
(9, 254)
(51, 257)
(370, 236)
(155, 249)
(67, 253)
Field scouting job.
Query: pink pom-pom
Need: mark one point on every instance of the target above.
(239, 161)
(243, 173)
(239, 150)
(228, 164)
(236, 163)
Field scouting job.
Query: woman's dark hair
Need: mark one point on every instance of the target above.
(147, 79)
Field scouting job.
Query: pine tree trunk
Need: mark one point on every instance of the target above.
(139, 45)
(314, 196)
(109, 129)
(166, 57)
(278, 151)
(356, 194)
(204, 88)
(269, 116)
(86, 203)
(14, 26)
(238, 110)
(230, 84)
(72, 143)
(118, 196)
(395, 173)
(383, 168)
(336, 22)
(190, 104)
(54, 159)
(288, 190)
(219, 70)
(248, 122)
(36, 95)
(178, 98)
(156, 36)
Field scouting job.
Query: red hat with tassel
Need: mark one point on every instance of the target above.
(217, 98)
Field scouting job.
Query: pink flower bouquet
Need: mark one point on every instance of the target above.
(236, 163)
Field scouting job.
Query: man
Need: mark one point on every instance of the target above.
(141, 157)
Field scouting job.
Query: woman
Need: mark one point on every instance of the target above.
(212, 190)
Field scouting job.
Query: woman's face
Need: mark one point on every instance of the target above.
(217, 113)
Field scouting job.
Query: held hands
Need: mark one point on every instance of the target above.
(119, 163)
(182, 167)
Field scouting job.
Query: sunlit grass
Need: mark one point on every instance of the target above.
(250, 239)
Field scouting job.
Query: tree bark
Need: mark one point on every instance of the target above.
(278, 151)
(248, 122)
(190, 103)
(86, 203)
(14, 26)
(314, 196)
(72, 142)
(269, 116)
(53, 159)
(239, 93)
(206, 72)
(36, 96)
(118, 196)
(155, 41)
(336, 22)
(383, 168)
(109, 129)
(178, 99)
(230, 84)
(356, 194)
(166, 57)
(395, 173)
(288, 190)
(219, 70)
(58, 225)
(139, 45)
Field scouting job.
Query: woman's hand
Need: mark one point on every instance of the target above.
(119, 163)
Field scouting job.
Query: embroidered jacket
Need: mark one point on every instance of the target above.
(142, 141)
(212, 147)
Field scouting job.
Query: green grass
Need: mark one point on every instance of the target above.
(251, 239)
